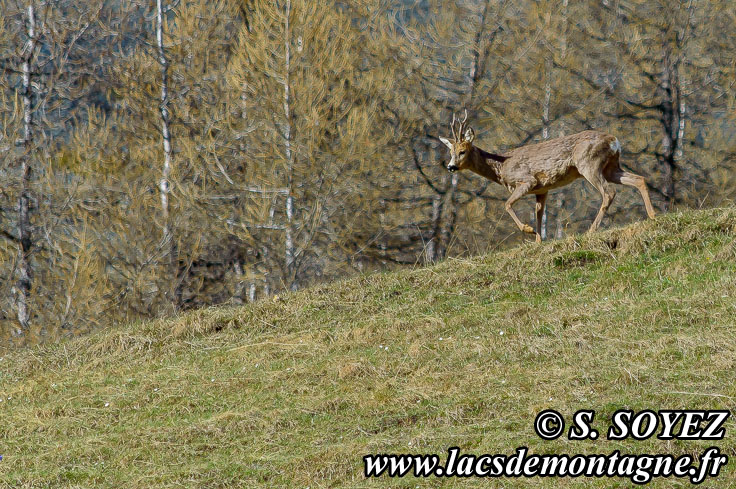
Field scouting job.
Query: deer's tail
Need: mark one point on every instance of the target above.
(615, 146)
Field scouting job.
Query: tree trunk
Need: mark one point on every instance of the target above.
(448, 224)
(252, 292)
(25, 241)
(680, 153)
(670, 94)
(559, 226)
(560, 208)
(290, 252)
(545, 123)
(433, 245)
(164, 183)
(450, 204)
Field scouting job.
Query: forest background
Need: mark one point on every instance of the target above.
(161, 156)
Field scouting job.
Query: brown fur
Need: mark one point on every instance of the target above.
(538, 168)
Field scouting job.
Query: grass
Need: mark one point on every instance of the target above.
(292, 392)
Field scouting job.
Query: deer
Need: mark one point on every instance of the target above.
(538, 168)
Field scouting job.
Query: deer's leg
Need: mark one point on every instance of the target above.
(541, 199)
(518, 193)
(633, 180)
(599, 182)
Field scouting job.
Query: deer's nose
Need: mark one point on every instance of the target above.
(452, 168)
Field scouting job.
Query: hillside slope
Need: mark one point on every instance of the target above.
(293, 392)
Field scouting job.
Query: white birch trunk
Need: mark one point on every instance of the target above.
(561, 193)
(289, 238)
(450, 208)
(252, 292)
(264, 276)
(237, 296)
(681, 131)
(436, 214)
(25, 271)
(164, 183)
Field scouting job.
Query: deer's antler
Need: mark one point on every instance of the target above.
(458, 126)
(461, 129)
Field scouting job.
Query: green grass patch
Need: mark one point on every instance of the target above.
(293, 391)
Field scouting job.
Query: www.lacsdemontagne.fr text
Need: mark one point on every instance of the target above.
(639, 468)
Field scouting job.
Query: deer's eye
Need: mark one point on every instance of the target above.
(461, 153)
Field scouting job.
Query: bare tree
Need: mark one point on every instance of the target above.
(275, 144)
(289, 231)
(25, 272)
(164, 184)
(653, 49)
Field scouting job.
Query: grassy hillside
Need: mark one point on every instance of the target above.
(292, 392)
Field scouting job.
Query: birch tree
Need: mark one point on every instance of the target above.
(290, 252)
(24, 239)
(312, 132)
(41, 52)
(164, 184)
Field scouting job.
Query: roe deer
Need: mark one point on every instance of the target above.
(538, 168)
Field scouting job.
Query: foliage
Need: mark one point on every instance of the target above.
(303, 139)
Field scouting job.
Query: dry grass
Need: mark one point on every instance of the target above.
(292, 392)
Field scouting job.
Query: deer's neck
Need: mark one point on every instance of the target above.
(487, 164)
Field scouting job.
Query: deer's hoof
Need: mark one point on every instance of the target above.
(539, 239)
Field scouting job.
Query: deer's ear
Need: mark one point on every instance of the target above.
(446, 142)
(469, 135)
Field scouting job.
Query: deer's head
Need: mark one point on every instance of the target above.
(461, 144)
